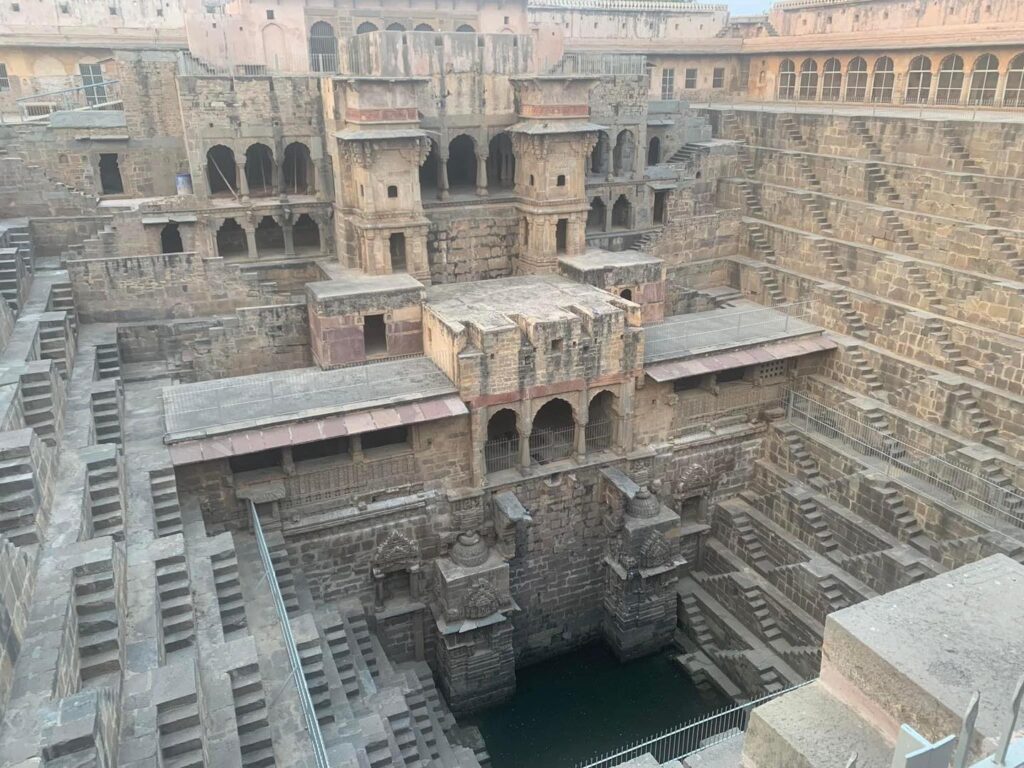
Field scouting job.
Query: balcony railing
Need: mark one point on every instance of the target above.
(38, 107)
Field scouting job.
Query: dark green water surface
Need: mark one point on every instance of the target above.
(569, 708)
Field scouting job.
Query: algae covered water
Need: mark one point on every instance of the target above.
(568, 708)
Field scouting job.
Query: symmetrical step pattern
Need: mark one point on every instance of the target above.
(762, 614)
(108, 361)
(62, 299)
(39, 402)
(177, 622)
(827, 253)
(311, 657)
(53, 341)
(96, 611)
(229, 593)
(851, 318)
(923, 286)
(166, 508)
(19, 498)
(180, 733)
(105, 491)
(257, 749)
(759, 242)
(935, 329)
(11, 277)
(107, 410)
(771, 286)
(865, 373)
(814, 521)
(283, 571)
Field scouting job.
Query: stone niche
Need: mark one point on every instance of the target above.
(471, 604)
(364, 317)
(643, 564)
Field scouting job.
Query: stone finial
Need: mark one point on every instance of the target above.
(469, 549)
(643, 504)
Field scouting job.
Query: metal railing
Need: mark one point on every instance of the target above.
(707, 329)
(501, 453)
(547, 445)
(683, 740)
(601, 64)
(932, 476)
(98, 95)
(599, 435)
(316, 738)
(936, 108)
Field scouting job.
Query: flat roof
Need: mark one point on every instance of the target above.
(193, 411)
(704, 333)
(598, 258)
(352, 283)
(493, 303)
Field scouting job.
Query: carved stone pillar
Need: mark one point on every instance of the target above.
(243, 181)
(481, 175)
(250, 241)
(289, 239)
(442, 178)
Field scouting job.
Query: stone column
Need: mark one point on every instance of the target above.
(289, 239)
(581, 437)
(608, 217)
(523, 430)
(250, 240)
(481, 175)
(243, 181)
(442, 178)
(323, 228)
(277, 179)
(202, 188)
(478, 430)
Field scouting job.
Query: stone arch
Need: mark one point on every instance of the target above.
(787, 79)
(501, 449)
(624, 153)
(856, 79)
(599, 155)
(1014, 95)
(170, 238)
(465, 28)
(297, 170)
(553, 431)
(323, 48)
(808, 80)
(365, 27)
(597, 216)
(269, 236)
(259, 170)
(231, 240)
(831, 80)
(462, 162)
(501, 162)
(396, 27)
(430, 173)
(275, 49)
(883, 80)
(423, 27)
(601, 419)
(306, 233)
(984, 80)
(654, 151)
(950, 86)
(221, 170)
(626, 294)
(919, 80)
(622, 213)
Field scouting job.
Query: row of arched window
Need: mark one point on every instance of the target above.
(923, 83)
(323, 42)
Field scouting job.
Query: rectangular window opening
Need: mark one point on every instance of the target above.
(321, 449)
(375, 336)
(691, 79)
(562, 236)
(383, 438)
(396, 246)
(250, 462)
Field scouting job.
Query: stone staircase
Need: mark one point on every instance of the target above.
(311, 657)
(809, 512)
(62, 299)
(105, 493)
(900, 234)
(11, 277)
(180, 733)
(96, 612)
(750, 543)
(751, 199)
(865, 373)
(106, 402)
(229, 592)
(817, 212)
(166, 509)
(19, 498)
(982, 428)
(257, 749)
(826, 252)
(759, 242)
(283, 571)
(695, 621)
(1012, 497)
(38, 401)
(836, 598)
(924, 287)
(903, 524)
(935, 329)
(759, 609)
(878, 186)
(54, 343)
(806, 466)
(860, 128)
(851, 318)
(108, 361)
(956, 151)
(177, 622)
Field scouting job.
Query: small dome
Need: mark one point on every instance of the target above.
(643, 503)
(469, 549)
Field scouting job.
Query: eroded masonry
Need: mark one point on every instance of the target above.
(490, 330)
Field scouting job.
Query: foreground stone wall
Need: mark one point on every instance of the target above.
(475, 243)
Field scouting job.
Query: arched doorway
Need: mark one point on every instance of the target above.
(624, 154)
(553, 434)
(170, 239)
(306, 234)
(599, 155)
(808, 80)
(787, 80)
(831, 80)
(323, 48)
(919, 80)
(396, 27)
(622, 213)
(951, 80)
(597, 215)
(984, 81)
(298, 170)
(626, 294)
(221, 171)
(429, 172)
(464, 28)
(231, 240)
(1014, 94)
(856, 79)
(884, 79)
(366, 26)
(501, 451)
(269, 237)
(501, 162)
(462, 163)
(654, 151)
(601, 416)
(259, 170)
(423, 28)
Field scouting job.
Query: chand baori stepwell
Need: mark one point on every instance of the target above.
(358, 352)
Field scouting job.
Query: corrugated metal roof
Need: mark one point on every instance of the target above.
(669, 371)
